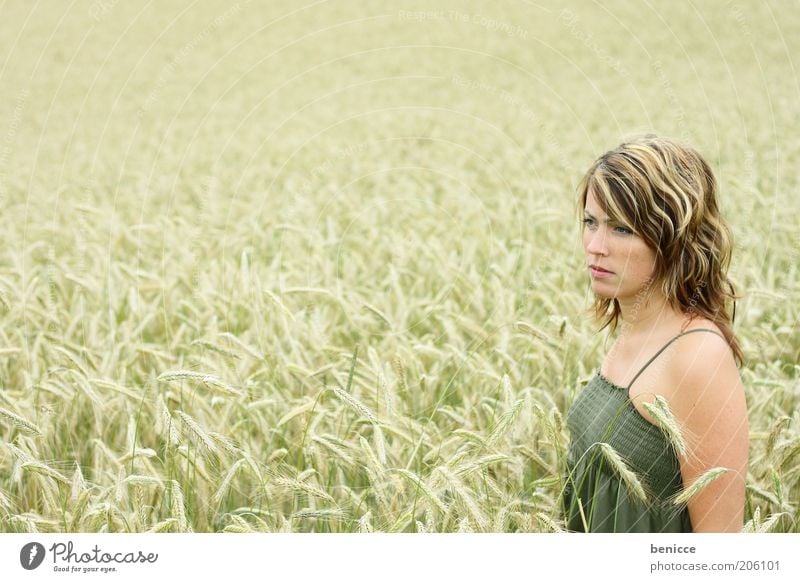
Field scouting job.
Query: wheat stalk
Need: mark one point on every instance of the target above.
(143, 480)
(215, 348)
(250, 350)
(226, 482)
(457, 486)
(626, 474)
(503, 424)
(466, 469)
(197, 431)
(178, 505)
(279, 303)
(334, 513)
(400, 372)
(208, 380)
(699, 484)
(302, 487)
(164, 525)
(418, 482)
(377, 312)
(549, 523)
(354, 403)
(19, 422)
(666, 420)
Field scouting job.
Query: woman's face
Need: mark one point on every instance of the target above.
(613, 247)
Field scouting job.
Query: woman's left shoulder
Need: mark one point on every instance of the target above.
(704, 364)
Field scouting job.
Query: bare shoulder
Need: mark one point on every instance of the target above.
(704, 368)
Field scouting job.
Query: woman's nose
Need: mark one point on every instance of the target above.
(597, 242)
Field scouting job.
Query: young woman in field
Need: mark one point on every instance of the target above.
(657, 253)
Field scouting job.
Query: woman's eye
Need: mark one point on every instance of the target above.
(588, 221)
(624, 230)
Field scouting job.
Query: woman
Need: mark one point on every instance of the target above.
(657, 254)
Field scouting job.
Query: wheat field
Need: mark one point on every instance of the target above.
(317, 268)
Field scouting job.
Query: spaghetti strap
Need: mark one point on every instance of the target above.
(665, 347)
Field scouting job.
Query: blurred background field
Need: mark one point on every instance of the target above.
(316, 267)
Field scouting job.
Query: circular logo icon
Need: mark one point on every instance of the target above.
(31, 556)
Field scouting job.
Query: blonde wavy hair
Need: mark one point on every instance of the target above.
(666, 193)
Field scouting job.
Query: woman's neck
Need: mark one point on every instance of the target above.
(643, 315)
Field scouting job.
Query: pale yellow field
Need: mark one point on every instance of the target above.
(317, 268)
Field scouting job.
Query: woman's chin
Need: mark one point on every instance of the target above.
(603, 290)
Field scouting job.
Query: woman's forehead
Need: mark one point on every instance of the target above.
(599, 206)
(594, 204)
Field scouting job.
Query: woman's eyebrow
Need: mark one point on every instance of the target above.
(590, 215)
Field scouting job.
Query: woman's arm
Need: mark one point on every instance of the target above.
(709, 403)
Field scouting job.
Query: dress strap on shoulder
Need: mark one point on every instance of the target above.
(666, 346)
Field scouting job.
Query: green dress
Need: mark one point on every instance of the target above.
(603, 413)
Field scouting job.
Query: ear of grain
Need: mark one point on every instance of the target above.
(109, 385)
(78, 483)
(332, 513)
(365, 523)
(375, 471)
(20, 423)
(167, 422)
(296, 411)
(19, 454)
(225, 444)
(301, 487)
(378, 312)
(463, 493)
(352, 402)
(208, 446)
(194, 462)
(279, 304)
(224, 487)
(208, 380)
(775, 431)
(473, 437)
(120, 491)
(504, 423)
(464, 526)
(420, 484)
(82, 382)
(215, 348)
(72, 359)
(550, 525)
(467, 468)
(400, 372)
(5, 502)
(336, 448)
(531, 330)
(545, 422)
(401, 522)
(41, 469)
(787, 452)
(144, 481)
(699, 484)
(254, 353)
(661, 412)
(500, 520)
(78, 509)
(178, 505)
(771, 522)
(165, 525)
(625, 473)
(253, 466)
(754, 523)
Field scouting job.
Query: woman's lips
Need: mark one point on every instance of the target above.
(599, 273)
